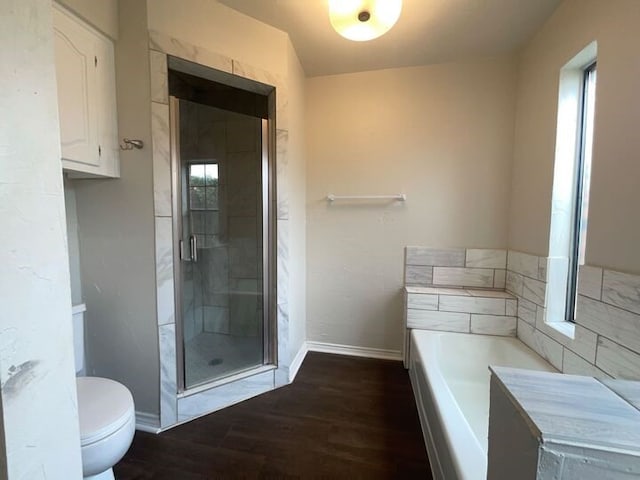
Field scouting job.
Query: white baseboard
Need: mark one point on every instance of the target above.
(354, 351)
(296, 363)
(147, 422)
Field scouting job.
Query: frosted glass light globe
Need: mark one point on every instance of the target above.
(362, 20)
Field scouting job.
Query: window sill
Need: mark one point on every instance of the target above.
(558, 328)
(564, 328)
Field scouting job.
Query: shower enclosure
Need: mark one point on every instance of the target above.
(222, 189)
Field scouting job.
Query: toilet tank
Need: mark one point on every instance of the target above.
(78, 336)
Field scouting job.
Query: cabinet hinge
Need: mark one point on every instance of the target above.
(99, 151)
(95, 61)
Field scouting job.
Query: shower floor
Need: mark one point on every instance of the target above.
(209, 356)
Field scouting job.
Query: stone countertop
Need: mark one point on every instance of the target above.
(628, 390)
(575, 410)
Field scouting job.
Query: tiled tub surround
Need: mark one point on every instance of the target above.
(455, 267)
(461, 310)
(457, 290)
(606, 333)
(604, 341)
(175, 408)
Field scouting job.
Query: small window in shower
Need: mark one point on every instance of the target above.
(203, 202)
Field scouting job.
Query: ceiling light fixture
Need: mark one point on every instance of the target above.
(362, 20)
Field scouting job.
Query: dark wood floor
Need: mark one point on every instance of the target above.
(343, 417)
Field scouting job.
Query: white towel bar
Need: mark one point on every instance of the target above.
(399, 196)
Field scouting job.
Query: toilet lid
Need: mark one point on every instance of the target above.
(104, 406)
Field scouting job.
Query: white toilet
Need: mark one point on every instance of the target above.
(106, 411)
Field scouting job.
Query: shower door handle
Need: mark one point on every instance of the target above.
(182, 255)
(193, 244)
(193, 250)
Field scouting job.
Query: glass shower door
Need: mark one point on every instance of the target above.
(218, 162)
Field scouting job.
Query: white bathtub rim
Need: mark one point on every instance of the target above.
(468, 460)
(427, 435)
(470, 464)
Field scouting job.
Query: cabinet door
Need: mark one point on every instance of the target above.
(107, 121)
(76, 76)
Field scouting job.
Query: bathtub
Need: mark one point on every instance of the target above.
(450, 379)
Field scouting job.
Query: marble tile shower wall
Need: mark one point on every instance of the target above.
(606, 339)
(176, 408)
(244, 220)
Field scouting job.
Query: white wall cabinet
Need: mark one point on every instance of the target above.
(85, 72)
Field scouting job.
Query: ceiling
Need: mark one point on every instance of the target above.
(428, 31)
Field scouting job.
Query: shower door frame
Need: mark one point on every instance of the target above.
(269, 323)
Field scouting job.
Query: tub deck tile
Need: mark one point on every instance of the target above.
(486, 258)
(436, 290)
(422, 301)
(467, 277)
(443, 321)
(437, 257)
(494, 325)
(490, 306)
(490, 293)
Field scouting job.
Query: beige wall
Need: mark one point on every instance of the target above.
(102, 14)
(441, 134)
(613, 234)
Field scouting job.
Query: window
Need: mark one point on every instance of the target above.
(203, 202)
(571, 182)
(582, 184)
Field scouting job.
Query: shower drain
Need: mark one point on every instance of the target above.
(216, 361)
